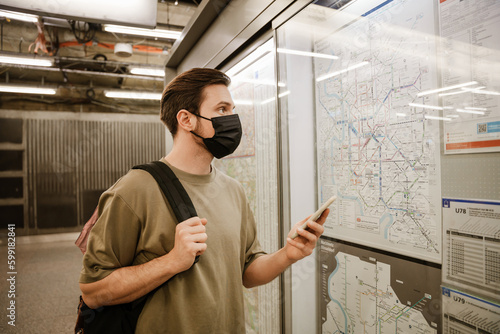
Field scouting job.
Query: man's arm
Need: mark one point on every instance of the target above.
(267, 267)
(129, 283)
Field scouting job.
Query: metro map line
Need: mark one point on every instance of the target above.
(376, 293)
(372, 135)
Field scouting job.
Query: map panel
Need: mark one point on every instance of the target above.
(470, 53)
(366, 291)
(378, 151)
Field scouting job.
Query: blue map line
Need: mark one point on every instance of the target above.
(388, 225)
(402, 87)
(331, 297)
(380, 171)
(397, 148)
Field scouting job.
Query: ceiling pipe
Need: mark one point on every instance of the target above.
(91, 73)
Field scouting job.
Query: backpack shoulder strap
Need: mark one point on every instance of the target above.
(172, 188)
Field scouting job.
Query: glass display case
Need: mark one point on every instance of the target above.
(394, 107)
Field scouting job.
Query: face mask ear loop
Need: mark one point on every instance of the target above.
(197, 135)
(194, 133)
(208, 119)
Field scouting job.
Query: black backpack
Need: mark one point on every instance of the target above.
(122, 318)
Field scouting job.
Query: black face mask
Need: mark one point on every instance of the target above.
(227, 135)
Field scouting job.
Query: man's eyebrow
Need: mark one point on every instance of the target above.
(229, 104)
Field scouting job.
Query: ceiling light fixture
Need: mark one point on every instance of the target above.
(157, 33)
(479, 90)
(26, 61)
(464, 90)
(272, 99)
(128, 94)
(425, 106)
(253, 57)
(258, 82)
(27, 89)
(19, 16)
(157, 72)
(427, 92)
(476, 108)
(350, 68)
(438, 118)
(453, 93)
(306, 53)
(470, 111)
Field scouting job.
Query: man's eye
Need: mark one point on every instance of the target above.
(222, 110)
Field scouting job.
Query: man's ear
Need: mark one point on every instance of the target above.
(186, 120)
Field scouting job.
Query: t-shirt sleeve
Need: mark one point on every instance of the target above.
(113, 239)
(253, 248)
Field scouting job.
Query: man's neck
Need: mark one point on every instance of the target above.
(190, 159)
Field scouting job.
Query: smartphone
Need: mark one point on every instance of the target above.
(316, 215)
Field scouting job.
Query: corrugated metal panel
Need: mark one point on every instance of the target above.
(70, 161)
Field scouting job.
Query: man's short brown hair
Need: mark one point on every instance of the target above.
(185, 92)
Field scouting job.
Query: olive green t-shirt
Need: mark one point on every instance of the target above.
(136, 225)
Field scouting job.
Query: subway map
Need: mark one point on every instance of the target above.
(367, 292)
(378, 154)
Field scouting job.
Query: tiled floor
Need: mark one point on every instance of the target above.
(47, 291)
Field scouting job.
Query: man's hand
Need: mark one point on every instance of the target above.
(304, 244)
(190, 241)
(128, 283)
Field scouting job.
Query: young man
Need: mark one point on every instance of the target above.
(136, 245)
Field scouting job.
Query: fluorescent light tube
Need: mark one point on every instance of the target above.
(453, 93)
(474, 108)
(158, 33)
(124, 94)
(427, 92)
(147, 71)
(26, 61)
(437, 118)
(425, 106)
(306, 53)
(400, 114)
(19, 16)
(480, 91)
(260, 52)
(259, 82)
(284, 94)
(27, 89)
(330, 75)
(272, 99)
(470, 111)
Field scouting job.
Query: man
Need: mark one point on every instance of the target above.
(136, 245)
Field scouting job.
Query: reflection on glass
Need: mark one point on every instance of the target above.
(442, 89)
(306, 53)
(254, 164)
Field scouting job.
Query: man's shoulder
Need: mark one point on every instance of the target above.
(135, 182)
